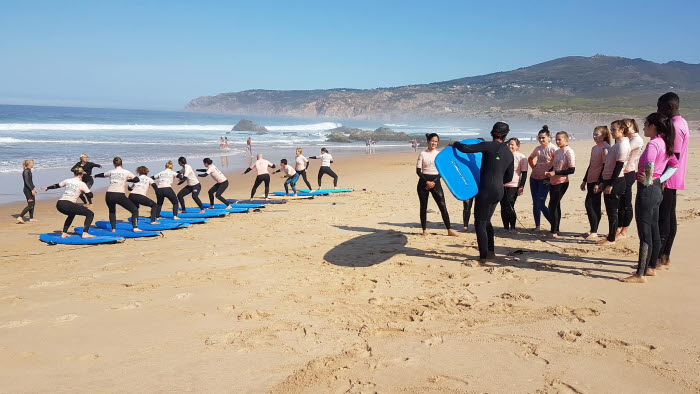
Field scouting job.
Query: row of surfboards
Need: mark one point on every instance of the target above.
(102, 229)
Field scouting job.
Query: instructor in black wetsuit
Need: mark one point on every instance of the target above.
(496, 170)
(87, 167)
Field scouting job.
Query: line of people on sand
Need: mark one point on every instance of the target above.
(121, 180)
(618, 161)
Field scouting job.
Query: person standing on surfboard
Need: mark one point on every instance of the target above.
(429, 183)
(326, 160)
(67, 203)
(496, 171)
(261, 165)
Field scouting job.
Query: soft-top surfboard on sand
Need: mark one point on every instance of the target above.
(146, 226)
(300, 194)
(221, 211)
(460, 171)
(288, 198)
(100, 232)
(327, 191)
(240, 202)
(209, 213)
(234, 206)
(55, 238)
(180, 220)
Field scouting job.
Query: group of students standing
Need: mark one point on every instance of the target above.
(121, 180)
(614, 168)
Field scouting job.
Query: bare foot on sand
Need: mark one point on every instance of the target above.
(592, 236)
(553, 235)
(33, 220)
(425, 233)
(86, 235)
(451, 233)
(491, 254)
(664, 261)
(137, 230)
(605, 242)
(620, 236)
(20, 220)
(65, 235)
(634, 279)
(650, 272)
(465, 230)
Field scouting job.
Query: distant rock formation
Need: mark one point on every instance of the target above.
(248, 125)
(346, 134)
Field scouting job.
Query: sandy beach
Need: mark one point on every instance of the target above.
(342, 294)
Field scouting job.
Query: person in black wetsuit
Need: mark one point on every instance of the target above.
(29, 191)
(87, 167)
(496, 170)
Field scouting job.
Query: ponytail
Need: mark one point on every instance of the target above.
(664, 127)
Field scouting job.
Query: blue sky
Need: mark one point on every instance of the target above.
(161, 54)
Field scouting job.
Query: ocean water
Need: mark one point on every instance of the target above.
(56, 136)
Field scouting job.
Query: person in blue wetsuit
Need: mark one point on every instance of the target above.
(496, 170)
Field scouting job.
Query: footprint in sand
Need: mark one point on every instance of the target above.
(432, 341)
(571, 335)
(16, 323)
(129, 305)
(182, 296)
(41, 284)
(66, 318)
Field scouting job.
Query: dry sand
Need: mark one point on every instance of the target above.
(342, 294)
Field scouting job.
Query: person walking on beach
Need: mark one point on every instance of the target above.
(656, 165)
(612, 178)
(87, 167)
(669, 105)
(625, 212)
(496, 171)
(429, 184)
(540, 161)
(300, 166)
(219, 187)
(261, 168)
(467, 206)
(414, 145)
(187, 174)
(514, 188)
(602, 139)
(164, 188)
(67, 203)
(563, 165)
(326, 160)
(116, 193)
(139, 193)
(291, 175)
(29, 191)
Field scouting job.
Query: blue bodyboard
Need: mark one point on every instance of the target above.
(55, 238)
(146, 226)
(100, 232)
(460, 171)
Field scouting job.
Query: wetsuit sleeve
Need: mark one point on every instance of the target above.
(201, 170)
(277, 171)
(667, 174)
(523, 178)
(307, 164)
(27, 177)
(54, 186)
(247, 170)
(568, 171)
(313, 157)
(272, 166)
(134, 180)
(100, 175)
(75, 166)
(202, 175)
(474, 148)
(585, 176)
(419, 172)
(619, 165)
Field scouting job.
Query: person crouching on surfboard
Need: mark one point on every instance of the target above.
(291, 175)
(496, 170)
(429, 183)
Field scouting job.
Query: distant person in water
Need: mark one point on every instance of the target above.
(219, 187)
(87, 167)
(326, 160)
(496, 171)
(225, 142)
(29, 191)
(429, 184)
(221, 143)
(249, 147)
(67, 203)
(261, 169)
(291, 175)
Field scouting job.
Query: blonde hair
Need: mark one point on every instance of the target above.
(169, 164)
(605, 132)
(298, 150)
(78, 171)
(26, 162)
(83, 155)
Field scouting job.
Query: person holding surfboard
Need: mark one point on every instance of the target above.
(496, 171)
(429, 183)
(67, 203)
(540, 161)
(563, 165)
(515, 187)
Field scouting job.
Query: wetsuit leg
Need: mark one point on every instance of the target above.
(439, 197)
(195, 195)
(121, 200)
(211, 192)
(302, 173)
(556, 193)
(110, 199)
(483, 211)
(320, 175)
(30, 203)
(626, 214)
(330, 172)
(258, 180)
(612, 202)
(508, 216)
(293, 183)
(423, 199)
(266, 179)
(89, 184)
(647, 207)
(169, 193)
(72, 209)
(220, 192)
(593, 209)
(467, 211)
(667, 221)
(138, 199)
(181, 196)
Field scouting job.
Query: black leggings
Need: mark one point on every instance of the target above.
(30, 204)
(625, 213)
(218, 189)
(89, 196)
(71, 209)
(612, 202)
(668, 224)
(467, 211)
(647, 207)
(483, 211)
(195, 195)
(327, 170)
(166, 192)
(438, 196)
(258, 180)
(302, 174)
(556, 193)
(593, 207)
(139, 199)
(508, 215)
(115, 198)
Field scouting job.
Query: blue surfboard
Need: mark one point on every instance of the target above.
(234, 206)
(212, 213)
(100, 232)
(326, 191)
(146, 226)
(243, 202)
(299, 194)
(180, 220)
(55, 238)
(460, 171)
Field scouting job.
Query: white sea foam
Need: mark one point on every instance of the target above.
(12, 140)
(306, 127)
(153, 127)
